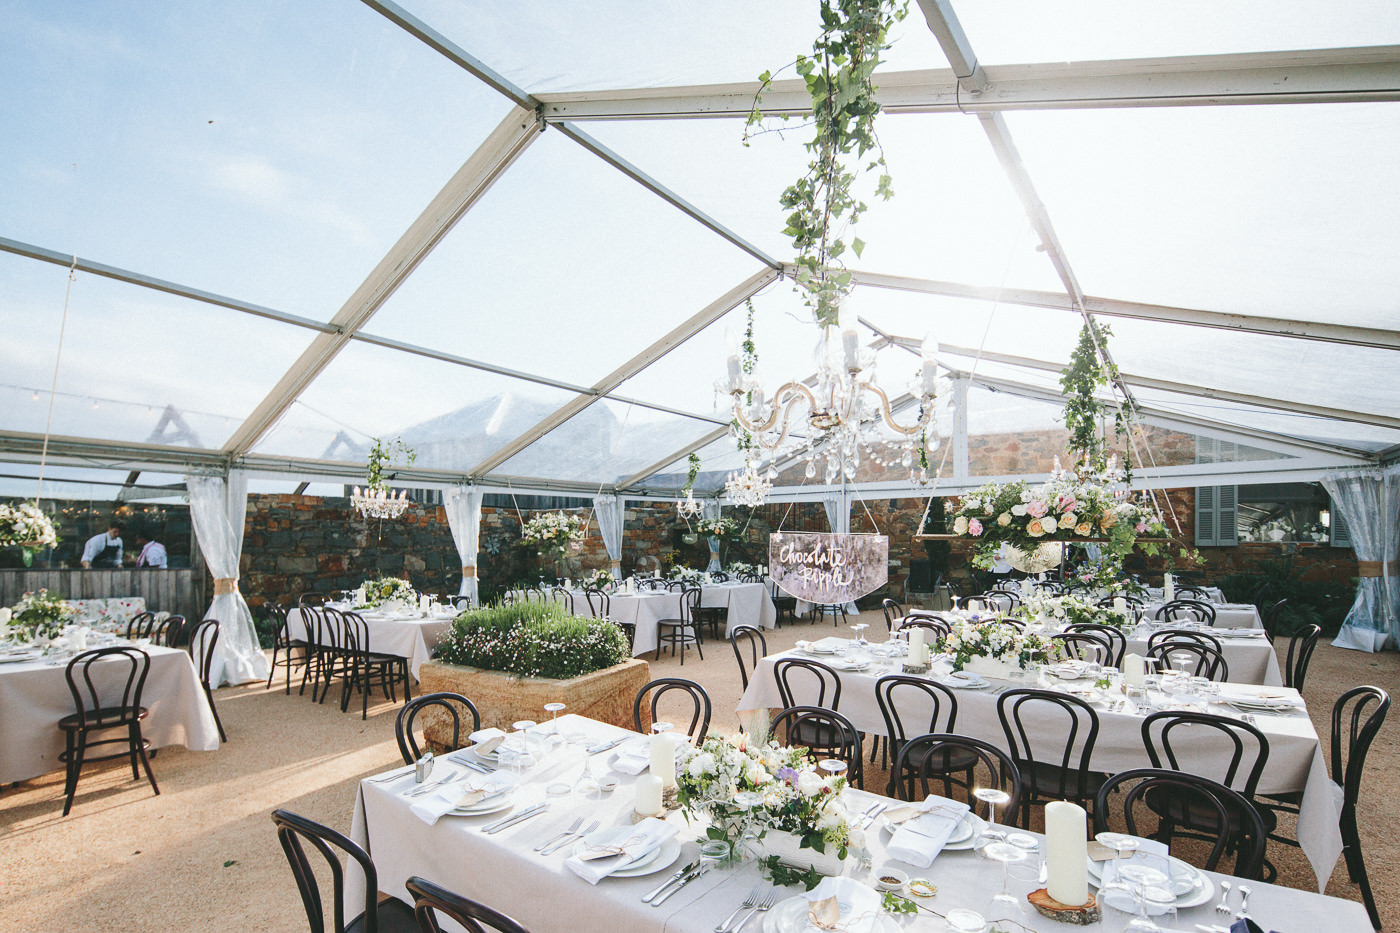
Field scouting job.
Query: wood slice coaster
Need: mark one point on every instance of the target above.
(1047, 906)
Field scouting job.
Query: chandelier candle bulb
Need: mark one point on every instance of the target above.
(1066, 852)
(850, 349)
(663, 759)
(648, 795)
(734, 378)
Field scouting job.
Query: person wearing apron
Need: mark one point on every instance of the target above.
(104, 551)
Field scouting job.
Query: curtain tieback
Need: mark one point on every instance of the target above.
(1376, 568)
(225, 586)
(469, 572)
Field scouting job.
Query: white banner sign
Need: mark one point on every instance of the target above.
(826, 568)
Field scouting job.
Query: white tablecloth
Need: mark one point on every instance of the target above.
(748, 604)
(412, 638)
(35, 696)
(1252, 659)
(1227, 615)
(1297, 761)
(504, 872)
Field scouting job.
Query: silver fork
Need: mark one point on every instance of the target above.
(766, 906)
(1224, 906)
(563, 834)
(749, 903)
(1244, 903)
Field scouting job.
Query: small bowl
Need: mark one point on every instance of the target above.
(890, 879)
(922, 887)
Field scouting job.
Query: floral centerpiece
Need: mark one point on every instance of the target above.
(1069, 506)
(1060, 611)
(687, 576)
(790, 796)
(555, 533)
(739, 567)
(26, 526)
(722, 528)
(383, 590)
(993, 647)
(600, 579)
(40, 616)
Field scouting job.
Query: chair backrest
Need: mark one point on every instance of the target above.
(311, 599)
(532, 594)
(690, 604)
(719, 576)
(653, 692)
(938, 626)
(88, 696)
(1048, 586)
(460, 602)
(929, 757)
(1183, 635)
(276, 613)
(916, 697)
(203, 639)
(750, 577)
(295, 832)
(823, 730)
(140, 625)
(1085, 646)
(757, 645)
(1117, 641)
(1192, 609)
(892, 611)
(430, 899)
(562, 595)
(599, 602)
(1272, 615)
(330, 629)
(790, 671)
(1171, 735)
(454, 705)
(1199, 660)
(1191, 592)
(1356, 718)
(1213, 805)
(1134, 602)
(1062, 736)
(168, 631)
(1300, 652)
(1002, 600)
(676, 586)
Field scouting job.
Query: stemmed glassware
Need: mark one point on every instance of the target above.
(1004, 905)
(993, 797)
(749, 846)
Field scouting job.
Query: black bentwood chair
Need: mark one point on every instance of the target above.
(430, 899)
(111, 706)
(453, 706)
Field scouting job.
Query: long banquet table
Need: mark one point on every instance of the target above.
(748, 604)
(504, 872)
(1248, 653)
(410, 634)
(34, 696)
(1297, 760)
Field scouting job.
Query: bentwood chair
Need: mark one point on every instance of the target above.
(1192, 592)
(901, 697)
(203, 640)
(798, 672)
(925, 759)
(1239, 826)
(112, 706)
(1051, 737)
(684, 631)
(1272, 616)
(140, 625)
(1090, 647)
(1300, 652)
(1199, 660)
(826, 733)
(430, 899)
(599, 602)
(297, 833)
(1117, 641)
(652, 693)
(1189, 610)
(892, 611)
(454, 706)
(284, 644)
(757, 649)
(364, 664)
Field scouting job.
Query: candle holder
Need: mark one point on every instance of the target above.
(1047, 906)
(910, 667)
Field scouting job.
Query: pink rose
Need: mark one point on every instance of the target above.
(1068, 503)
(1141, 527)
(1036, 509)
(974, 527)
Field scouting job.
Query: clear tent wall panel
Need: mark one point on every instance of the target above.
(272, 152)
(565, 268)
(136, 363)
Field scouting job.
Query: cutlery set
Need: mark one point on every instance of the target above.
(754, 904)
(671, 885)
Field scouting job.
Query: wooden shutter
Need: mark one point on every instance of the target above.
(1341, 532)
(1217, 516)
(1205, 516)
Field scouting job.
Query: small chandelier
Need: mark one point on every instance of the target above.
(379, 502)
(847, 413)
(749, 486)
(688, 507)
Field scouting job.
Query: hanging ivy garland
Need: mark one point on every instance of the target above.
(822, 203)
(1080, 383)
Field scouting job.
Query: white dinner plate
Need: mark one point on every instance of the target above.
(1190, 885)
(1256, 704)
(488, 805)
(663, 857)
(964, 834)
(962, 680)
(790, 916)
(854, 666)
(491, 757)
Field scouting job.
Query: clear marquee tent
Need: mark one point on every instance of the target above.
(521, 236)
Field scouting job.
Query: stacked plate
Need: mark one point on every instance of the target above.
(662, 857)
(18, 655)
(964, 836)
(1190, 885)
(1264, 702)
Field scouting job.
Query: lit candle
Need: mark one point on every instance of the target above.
(648, 795)
(1066, 853)
(1120, 606)
(663, 759)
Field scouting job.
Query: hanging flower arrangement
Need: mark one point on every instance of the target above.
(25, 525)
(554, 533)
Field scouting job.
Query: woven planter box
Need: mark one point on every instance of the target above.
(502, 699)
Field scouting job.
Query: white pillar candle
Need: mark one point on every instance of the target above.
(916, 646)
(1066, 853)
(648, 795)
(1134, 670)
(734, 377)
(1120, 606)
(850, 346)
(663, 759)
(1168, 588)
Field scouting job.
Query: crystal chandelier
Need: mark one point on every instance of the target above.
(750, 485)
(379, 502)
(841, 412)
(688, 507)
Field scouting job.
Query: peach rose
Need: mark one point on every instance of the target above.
(1083, 529)
(1108, 521)
(1068, 520)
(1035, 529)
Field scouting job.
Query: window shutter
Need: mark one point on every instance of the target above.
(1341, 532)
(1205, 516)
(1227, 515)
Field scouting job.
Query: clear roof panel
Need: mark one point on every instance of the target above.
(271, 151)
(1003, 31)
(1282, 211)
(953, 217)
(132, 359)
(563, 245)
(453, 416)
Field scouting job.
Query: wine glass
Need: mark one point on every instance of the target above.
(962, 920)
(993, 797)
(749, 846)
(1145, 876)
(1004, 905)
(832, 768)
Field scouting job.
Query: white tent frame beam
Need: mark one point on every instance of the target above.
(1311, 76)
(476, 176)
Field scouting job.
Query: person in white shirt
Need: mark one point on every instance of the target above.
(104, 550)
(152, 552)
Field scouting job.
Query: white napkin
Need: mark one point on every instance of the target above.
(635, 842)
(633, 756)
(482, 736)
(859, 906)
(1124, 900)
(1276, 698)
(829, 644)
(918, 841)
(433, 806)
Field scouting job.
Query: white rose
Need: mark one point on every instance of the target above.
(808, 783)
(1048, 523)
(856, 838)
(1018, 510)
(960, 525)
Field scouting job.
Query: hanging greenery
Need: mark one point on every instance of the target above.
(1080, 383)
(381, 455)
(748, 362)
(822, 204)
(692, 473)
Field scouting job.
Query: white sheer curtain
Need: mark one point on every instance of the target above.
(218, 508)
(1369, 501)
(463, 508)
(838, 513)
(711, 510)
(608, 510)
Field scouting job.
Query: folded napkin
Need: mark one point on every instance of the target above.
(831, 643)
(921, 837)
(633, 756)
(459, 793)
(486, 740)
(842, 904)
(1277, 699)
(609, 850)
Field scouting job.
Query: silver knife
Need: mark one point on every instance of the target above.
(684, 881)
(670, 881)
(392, 776)
(508, 817)
(596, 749)
(521, 817)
